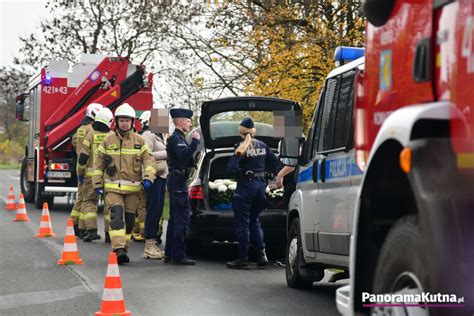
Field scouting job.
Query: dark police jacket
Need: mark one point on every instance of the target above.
(258, 158)
(180, 154)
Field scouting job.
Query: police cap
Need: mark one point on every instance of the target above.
(175, 113)
(247, 123)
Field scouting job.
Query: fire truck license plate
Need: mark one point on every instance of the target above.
(59, 174)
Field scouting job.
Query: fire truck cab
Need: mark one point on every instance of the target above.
(414, 127)
(54, 106)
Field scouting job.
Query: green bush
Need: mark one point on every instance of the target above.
(11, 152)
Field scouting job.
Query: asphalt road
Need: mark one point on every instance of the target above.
(31, 282)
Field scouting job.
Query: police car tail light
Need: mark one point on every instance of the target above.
(59, 166)
(196, 192)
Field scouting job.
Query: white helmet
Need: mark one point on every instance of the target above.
(145, 118)
(93, 109)
(125, 110)
(105, 116)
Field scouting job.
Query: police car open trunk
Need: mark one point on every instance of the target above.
(219, 123)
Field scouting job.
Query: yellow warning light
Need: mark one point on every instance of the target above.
(405, 159)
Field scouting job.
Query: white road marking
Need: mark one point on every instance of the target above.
(32, 298)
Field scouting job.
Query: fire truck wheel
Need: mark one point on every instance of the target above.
(40, 199)
(403, 265)
(294, 255)
(27, 188)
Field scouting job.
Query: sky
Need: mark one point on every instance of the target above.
(18, 17)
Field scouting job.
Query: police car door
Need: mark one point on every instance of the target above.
(335, 155)
(307, 185)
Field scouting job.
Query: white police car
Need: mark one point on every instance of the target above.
(320, 211)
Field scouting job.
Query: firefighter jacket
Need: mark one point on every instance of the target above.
(89, 147)
(118, 166)
(79, 137)
(158, 150)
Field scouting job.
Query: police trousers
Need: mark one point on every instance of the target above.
(248, 202)
(122, 217)
(179, 217)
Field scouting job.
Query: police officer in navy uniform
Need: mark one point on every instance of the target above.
(251, 159)
(180, 158)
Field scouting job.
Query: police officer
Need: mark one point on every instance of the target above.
(249, 162)
(77, 139)
(118, 171)
(101, 128)
(180, 157)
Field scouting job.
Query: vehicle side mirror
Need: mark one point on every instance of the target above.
(20, 107)
(290, 151)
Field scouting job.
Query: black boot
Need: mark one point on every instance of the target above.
(262, 260)
(185, 261)
(241, 264)
(91, 235)
(107, 238)
(122, 256)
(82, 233)
(76, 230)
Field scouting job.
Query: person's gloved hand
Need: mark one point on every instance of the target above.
(99, 191)
(80, 179)
(146, 184)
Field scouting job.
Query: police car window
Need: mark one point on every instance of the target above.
(326, 119)
(312, 140)
(227, 124)
(344, 121)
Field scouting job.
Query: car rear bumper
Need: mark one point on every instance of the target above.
(219, 225)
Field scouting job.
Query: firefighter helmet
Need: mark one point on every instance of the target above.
(93, 109)
(105, 116)
(125, 110)
(145, 118)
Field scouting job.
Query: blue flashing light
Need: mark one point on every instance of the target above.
(346, 53)
(47, 79)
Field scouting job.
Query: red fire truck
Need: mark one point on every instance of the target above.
(54, 106)
(414, 127)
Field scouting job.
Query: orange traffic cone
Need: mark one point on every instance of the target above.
(70, 253)
(46, 230)
(11, 205)
(112, 299)
(21, 212)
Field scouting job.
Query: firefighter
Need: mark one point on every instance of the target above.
(90, 199)
(77, 139)
(251, 159)
(180, 157)
(155, 197)
(118, 173)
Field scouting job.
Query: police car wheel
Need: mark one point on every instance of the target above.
(402, 267)
(294, 254)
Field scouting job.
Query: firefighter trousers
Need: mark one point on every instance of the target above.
(76, 209)
(140, 214)
(106, 217)
(90, 199)
(122, 217)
